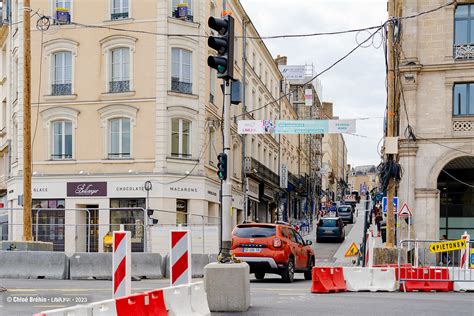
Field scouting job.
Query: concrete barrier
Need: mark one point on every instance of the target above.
(146, 265)
(98, 266)
(33, 265)
(90, 265)
(464, 279)
(198, 262)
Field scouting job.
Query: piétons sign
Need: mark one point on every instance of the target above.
(87, 189)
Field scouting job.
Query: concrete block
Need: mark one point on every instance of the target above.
(146, 265)
(26, 245)
(33, 265)
(90, 265)
(198, 262)
(222, 297)
(388, 256)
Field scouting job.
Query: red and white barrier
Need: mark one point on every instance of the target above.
(464, 262)
(180, 257)
(369, 249)
(121, 263)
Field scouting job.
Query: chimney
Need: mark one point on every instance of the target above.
(281, 60)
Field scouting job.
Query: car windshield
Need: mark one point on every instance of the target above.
(344, 209)
(255, 231)
(325, 222)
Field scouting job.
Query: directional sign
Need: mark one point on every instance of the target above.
(352, 251)
(444, 246)
(384, 204)
(405, 211)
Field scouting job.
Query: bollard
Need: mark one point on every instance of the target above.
(180, 257)
(121, 264)
(464, 262)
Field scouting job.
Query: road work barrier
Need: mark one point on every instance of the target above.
(186, 300)
(327, 279)
(464, 279)
(427, 279)
(122, 265)
(370, 279)
(34, 265)
(180, 257)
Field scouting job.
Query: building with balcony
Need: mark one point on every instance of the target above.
(436, 71)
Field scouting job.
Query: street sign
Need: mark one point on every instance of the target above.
(444, 246)
(384, 204)
(352, 251)
(405, 211)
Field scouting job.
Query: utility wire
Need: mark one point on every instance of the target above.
(460, 181)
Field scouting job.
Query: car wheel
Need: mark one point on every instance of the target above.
(308, 273)
(259, 275)
(289, 272)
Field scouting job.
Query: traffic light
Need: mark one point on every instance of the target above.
(222, 166)
(224, 45)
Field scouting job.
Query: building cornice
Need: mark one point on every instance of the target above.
(407, 148)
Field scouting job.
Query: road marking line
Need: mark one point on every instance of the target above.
(290, 294)
(276, 289)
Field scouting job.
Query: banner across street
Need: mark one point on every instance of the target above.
(296, 126)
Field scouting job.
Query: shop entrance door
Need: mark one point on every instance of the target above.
(92, 228)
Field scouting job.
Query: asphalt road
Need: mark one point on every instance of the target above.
(268, 297)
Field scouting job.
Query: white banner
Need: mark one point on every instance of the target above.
(342, 126)
(256, 127)
(297, 127)
(283, 176)
(293, 72)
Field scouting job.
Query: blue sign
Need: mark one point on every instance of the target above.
(384, 204)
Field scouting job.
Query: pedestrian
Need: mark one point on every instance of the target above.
(378, 221)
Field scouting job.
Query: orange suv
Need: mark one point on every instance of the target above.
(273, 248)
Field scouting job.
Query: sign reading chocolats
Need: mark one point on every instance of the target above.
(87, 189)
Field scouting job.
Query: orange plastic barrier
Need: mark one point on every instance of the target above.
(157, 306)
(132, 305)
(426, 279)
(327, 279)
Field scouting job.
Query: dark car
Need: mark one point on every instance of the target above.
(346, 214)
(330, 228)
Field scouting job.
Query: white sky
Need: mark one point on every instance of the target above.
(356, 86)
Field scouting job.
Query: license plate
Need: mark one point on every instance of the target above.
(252, 249)
(329, 232)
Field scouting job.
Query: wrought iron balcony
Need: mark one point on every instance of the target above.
(119, 86)
(181, 86)
(61, 89)
(119, 155)
(118, 16)
(61, 156)
(464, 51)
(252, 166)
(187, 17)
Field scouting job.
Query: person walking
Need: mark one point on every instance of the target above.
(378, 221)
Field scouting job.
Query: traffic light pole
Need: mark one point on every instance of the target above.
(226, 185)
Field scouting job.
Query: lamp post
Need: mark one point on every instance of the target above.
(148, 187)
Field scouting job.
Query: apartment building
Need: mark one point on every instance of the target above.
(126, 116)
(363, 179)
(437, 74)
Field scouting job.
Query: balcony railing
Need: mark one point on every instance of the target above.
(463, 124)
(119, 155)
(119, 86)
(464, 51)
(181, 86)
(118, 16)
(61, 89)
(61, 156)
(252, 166)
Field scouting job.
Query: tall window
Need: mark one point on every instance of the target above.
(212, 85)
(120, 70)
(119, 9)
(62, 140)
(62, 73)
(464, 25)
(463, 99)
(183, 9)
(181, 65)
(180, 138)
(119, 138)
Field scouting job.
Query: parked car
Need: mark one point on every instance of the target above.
(346, 214)
(330, 228)
(273, 248)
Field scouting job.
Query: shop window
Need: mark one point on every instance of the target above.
(48, 221)
(130, 213)
(182, 212)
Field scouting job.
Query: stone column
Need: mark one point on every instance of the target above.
(426, 214)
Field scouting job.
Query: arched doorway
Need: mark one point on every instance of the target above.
(456, 186)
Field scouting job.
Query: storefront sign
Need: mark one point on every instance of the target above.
(87, 189)
(283, 176)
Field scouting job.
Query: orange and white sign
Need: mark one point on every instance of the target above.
(405, 211)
